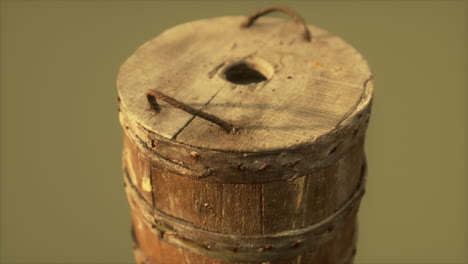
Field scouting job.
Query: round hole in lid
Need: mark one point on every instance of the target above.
(252, 70)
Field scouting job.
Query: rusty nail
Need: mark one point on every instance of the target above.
(118, 99)
(297, 244)
(194, 155)
(294, 163)
(267, 247)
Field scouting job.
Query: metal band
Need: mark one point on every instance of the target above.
(141, 257)
(246, 168)
(232, 247)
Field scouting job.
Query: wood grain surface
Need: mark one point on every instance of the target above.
(312, 87)
(292, 176)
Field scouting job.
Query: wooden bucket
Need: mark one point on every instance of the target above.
(244, 142)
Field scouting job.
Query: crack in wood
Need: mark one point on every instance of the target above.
(216, 69)
(355, 106)
(193, 117)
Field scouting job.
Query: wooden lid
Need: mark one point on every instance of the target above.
(214, 65)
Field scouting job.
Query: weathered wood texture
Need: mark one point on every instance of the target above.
(291, 178)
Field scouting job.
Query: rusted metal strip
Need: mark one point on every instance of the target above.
(233, 247)
(297, 18)
(245, 168)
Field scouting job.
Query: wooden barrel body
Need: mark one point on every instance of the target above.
(285, 186)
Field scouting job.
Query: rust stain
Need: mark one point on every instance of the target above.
(317, 64)
(294, 163)
(194, 155)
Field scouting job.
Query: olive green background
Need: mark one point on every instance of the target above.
(62, 198)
